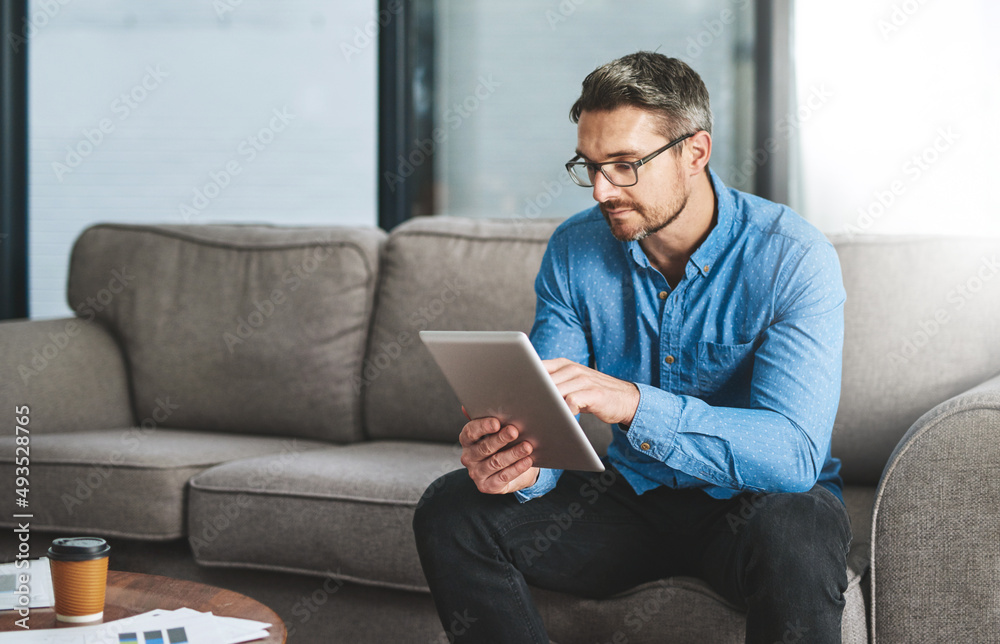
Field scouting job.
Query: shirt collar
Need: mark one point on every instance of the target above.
(703, 258)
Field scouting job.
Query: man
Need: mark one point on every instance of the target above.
(706, 326)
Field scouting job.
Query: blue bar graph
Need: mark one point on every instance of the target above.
(173, 636)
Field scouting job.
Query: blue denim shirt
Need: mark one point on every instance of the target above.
(738, 367)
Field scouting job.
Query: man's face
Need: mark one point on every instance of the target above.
(629, 134)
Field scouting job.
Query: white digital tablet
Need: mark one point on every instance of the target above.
(499, 374)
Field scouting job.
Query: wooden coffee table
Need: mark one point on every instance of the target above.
(131, 593)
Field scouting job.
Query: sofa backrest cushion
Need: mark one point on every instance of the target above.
(451, 274)
(249, 329)
(922, 324)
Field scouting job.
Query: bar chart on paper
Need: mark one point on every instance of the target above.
(173, 622)
(170, 636)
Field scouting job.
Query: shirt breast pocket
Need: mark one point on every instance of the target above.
(724, 372)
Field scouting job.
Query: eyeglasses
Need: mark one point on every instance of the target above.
(620, 173)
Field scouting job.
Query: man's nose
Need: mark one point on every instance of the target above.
(604, 189)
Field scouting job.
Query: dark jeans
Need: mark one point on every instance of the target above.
(782, 557)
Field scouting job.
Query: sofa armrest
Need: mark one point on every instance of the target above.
(69, 372)
(935, 562)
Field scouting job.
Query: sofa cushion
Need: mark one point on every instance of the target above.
(344, 512)
(129, 482)
(920, 327)
(443, 273)
(251, 329)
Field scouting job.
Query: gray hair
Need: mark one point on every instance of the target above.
(650, 81)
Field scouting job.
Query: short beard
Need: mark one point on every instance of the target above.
(650, 228)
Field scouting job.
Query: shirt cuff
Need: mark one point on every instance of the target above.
(656, 421)
(547, 480)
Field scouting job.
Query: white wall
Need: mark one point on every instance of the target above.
(269, 108)
(904, 134)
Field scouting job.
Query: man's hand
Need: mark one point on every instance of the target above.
(495, 466)
(588, 391)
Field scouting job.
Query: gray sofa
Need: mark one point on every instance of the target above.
(250, 406)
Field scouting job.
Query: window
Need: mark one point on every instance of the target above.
(898, 130)
(192, 112)
(507, 74)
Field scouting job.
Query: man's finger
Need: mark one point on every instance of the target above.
(507, 455)
(567, 381)
(568, 371)
(482, 469)
(476, 429)
(497, 482)
(490, 445)
(577, 401)
(555, 364)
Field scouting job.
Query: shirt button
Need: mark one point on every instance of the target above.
(706, 268)
(669, 360)
(663, 295)
(644, 447)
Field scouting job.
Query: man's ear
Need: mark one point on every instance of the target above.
(697, 151)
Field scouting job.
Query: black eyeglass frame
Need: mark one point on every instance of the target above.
(635, 165)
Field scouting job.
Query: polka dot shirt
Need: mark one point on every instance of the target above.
(738, 366)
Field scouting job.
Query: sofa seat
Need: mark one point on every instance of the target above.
(683, 607)
(128, 482)
(346, 512)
